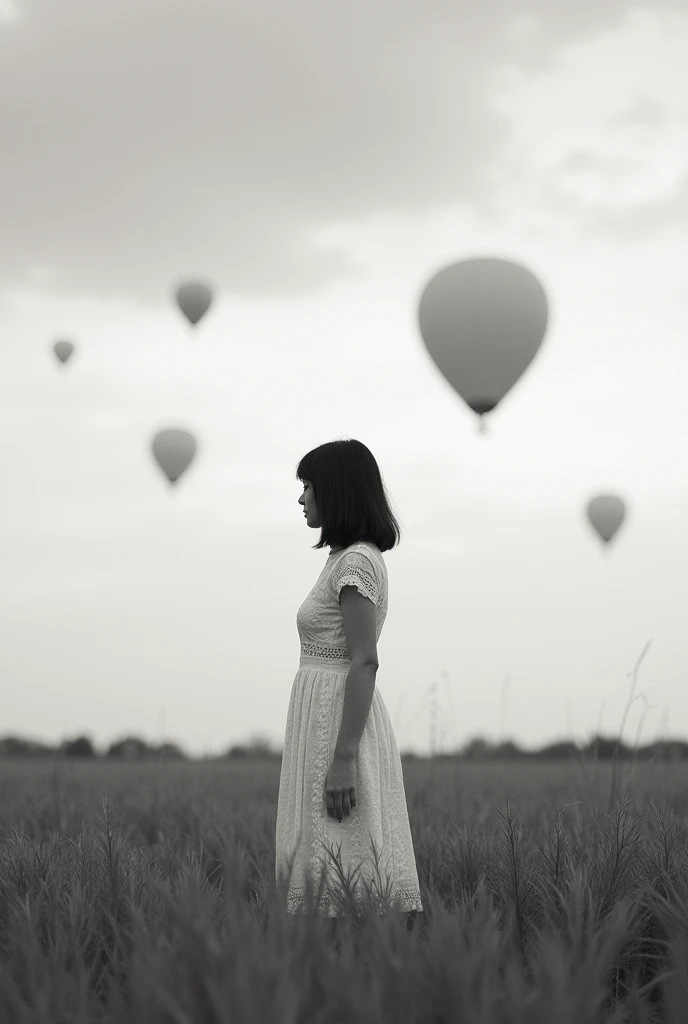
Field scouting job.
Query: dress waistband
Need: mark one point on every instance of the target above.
(334, 658)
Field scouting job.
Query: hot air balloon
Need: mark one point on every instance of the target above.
(194, 299)
(173, 450)
(606, 512)
(482, 321)
(63, 350)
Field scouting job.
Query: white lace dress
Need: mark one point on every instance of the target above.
(305, 833)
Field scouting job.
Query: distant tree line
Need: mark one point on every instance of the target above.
(131, 748)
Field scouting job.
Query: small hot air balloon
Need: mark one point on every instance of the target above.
(63, 350)
(482, 321)
(606, 512)
(173, 450)
(194, 299)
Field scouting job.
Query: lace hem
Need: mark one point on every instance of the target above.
(402, 900)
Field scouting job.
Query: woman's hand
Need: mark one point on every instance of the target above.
(340, 786)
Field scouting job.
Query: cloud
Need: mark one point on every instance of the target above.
(577, 141)
(146, 142)
(10, 12)
(645, 110)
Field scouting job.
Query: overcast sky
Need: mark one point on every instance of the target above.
(317, 164)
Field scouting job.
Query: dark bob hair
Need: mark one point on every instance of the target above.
(350, 496)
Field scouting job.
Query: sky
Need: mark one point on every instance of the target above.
(317, 165)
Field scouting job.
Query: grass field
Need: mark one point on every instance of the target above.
(145, 893)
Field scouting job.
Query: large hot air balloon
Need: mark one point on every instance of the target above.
(482, 321)
(63, 350)
(173, 450)
(194, 299)
(606, 512)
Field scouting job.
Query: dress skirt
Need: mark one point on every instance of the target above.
(309, 843)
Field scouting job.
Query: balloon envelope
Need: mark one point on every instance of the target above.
(194, 299)
(173, 450)
(482, 321)
(63, 350)
(606, 512)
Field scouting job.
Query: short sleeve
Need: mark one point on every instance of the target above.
(356, 570)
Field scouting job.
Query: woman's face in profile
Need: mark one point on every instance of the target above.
(307, 499)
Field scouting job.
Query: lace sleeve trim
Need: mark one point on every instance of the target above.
(357, 576)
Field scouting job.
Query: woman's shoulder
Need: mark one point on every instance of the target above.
(371, 549)
(366, 544)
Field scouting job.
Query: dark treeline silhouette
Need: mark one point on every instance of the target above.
(131, 748)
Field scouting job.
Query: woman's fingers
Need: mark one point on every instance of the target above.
(340, 802)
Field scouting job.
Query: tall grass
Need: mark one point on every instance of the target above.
(555, 893)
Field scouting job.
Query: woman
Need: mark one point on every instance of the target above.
(341, 793)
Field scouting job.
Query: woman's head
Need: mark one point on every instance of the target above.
(346, 497)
